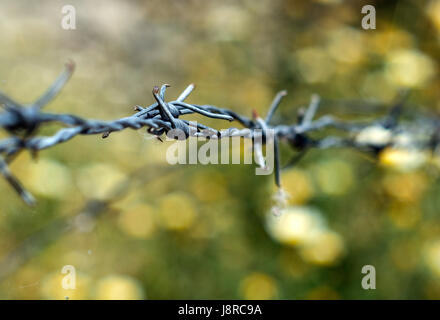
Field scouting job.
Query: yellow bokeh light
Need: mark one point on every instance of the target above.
(346, 45)
(50, 178)
(323, 293)
(118, 287)
(98, 180)
(431, 253)
(334, 177)
(228, 22)
(298, 186)
(388, 38)
(405, 254)
(325, 249)
(406, 187)
(409, 68)
(402, 159)
(433, 12)
(52, 287)
(209, 187)
(404, 216)
(295, 225)
(177, 211)
(314, 64)
(258, 286)
(138, 221)
(292, 264)
(374, 135)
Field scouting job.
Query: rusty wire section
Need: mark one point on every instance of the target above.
(22, 122)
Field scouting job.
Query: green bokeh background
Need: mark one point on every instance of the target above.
(135, 227)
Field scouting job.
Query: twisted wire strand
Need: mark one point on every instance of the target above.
(22, 122)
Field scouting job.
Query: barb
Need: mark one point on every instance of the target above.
(21, 123)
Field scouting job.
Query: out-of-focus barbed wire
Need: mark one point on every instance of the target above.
(80, 220)
(22, 122)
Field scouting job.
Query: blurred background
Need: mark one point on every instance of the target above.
(135, 227)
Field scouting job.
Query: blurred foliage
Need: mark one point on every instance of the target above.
(206, 232)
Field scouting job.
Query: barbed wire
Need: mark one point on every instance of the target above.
(81, 220)
(22, 123)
